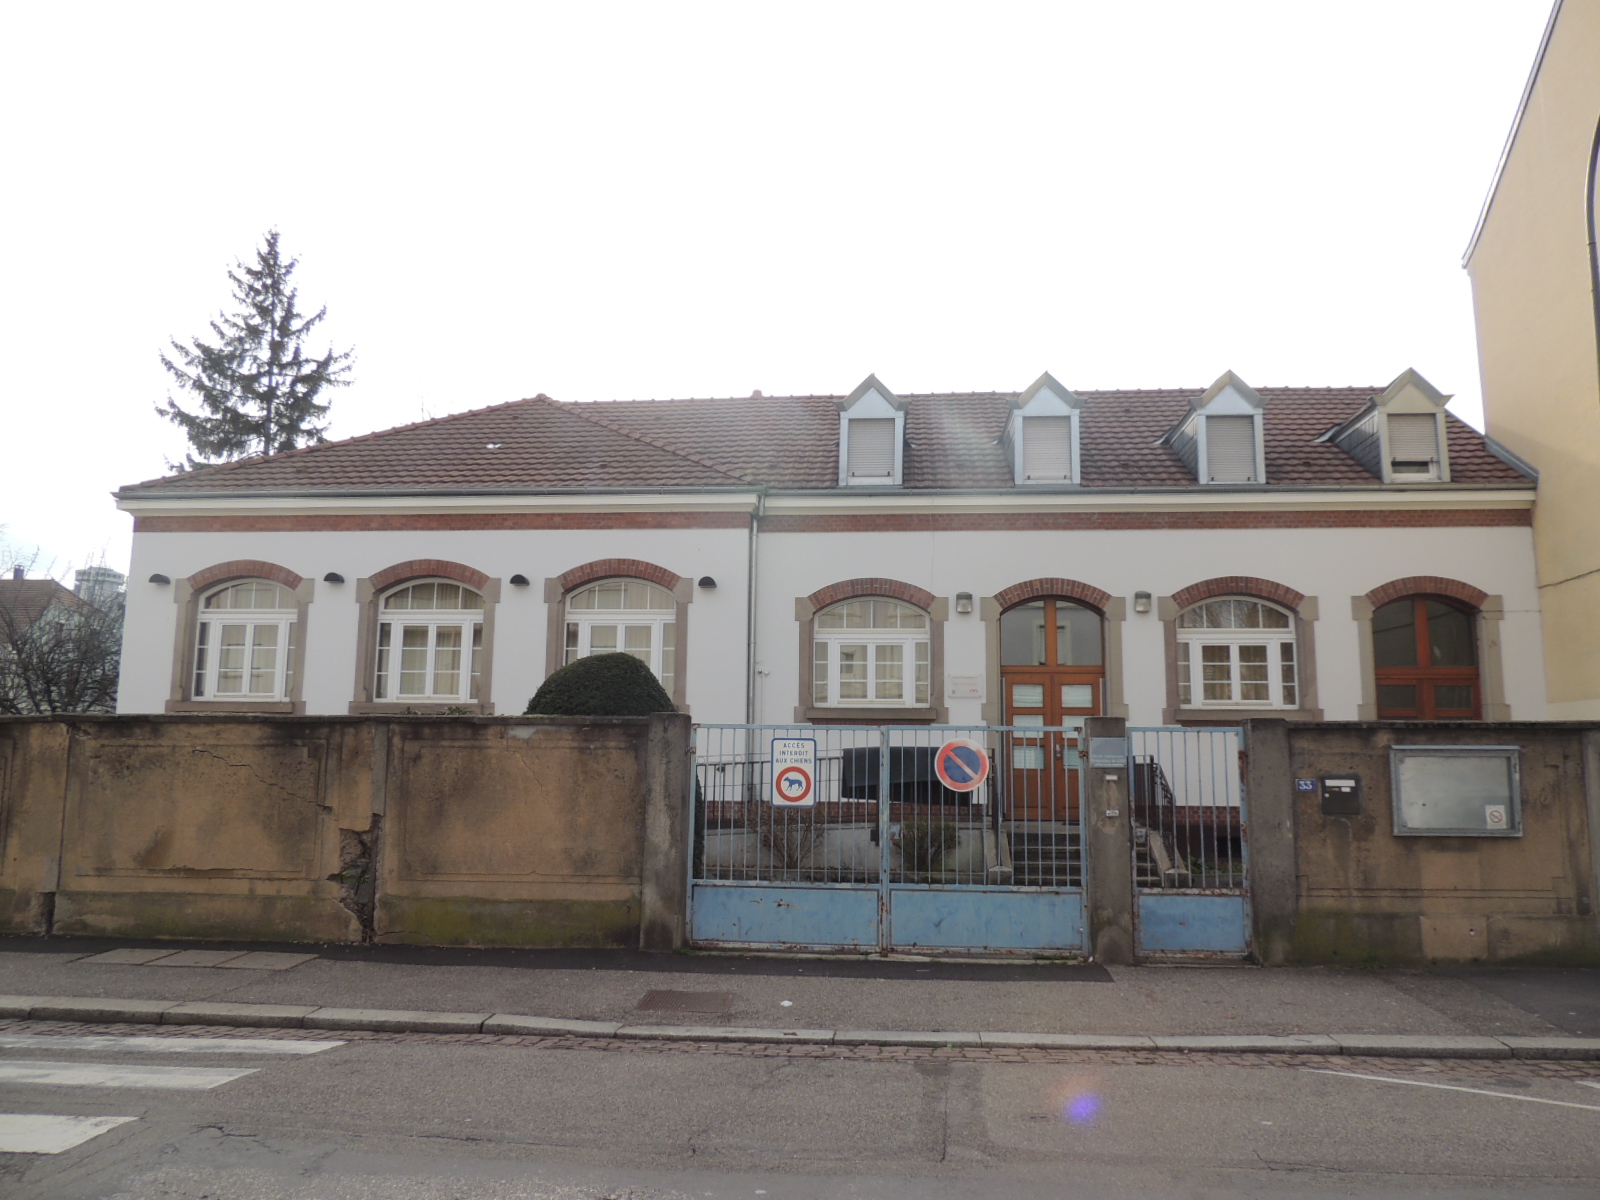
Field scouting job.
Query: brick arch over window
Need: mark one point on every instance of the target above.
(1037, 589)
(848, 589)
(428, 568)
(1427, 585)
(612, 568)
(1238, 585)
(244, 568)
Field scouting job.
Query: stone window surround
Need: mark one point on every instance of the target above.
(1490, 611)
(938, 610)
(371, 589)
(1112, 610)
(186, 593)
(1305, 609)
(557, 589)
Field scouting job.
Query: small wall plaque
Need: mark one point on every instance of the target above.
(963, 687)
(1108, 752)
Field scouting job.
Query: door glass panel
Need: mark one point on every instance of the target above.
(1397, 695)
(1077, 695)
(1450, 636)
(1452, 695)
(414, 660)
(890, 671)
(1027, 695)
(230, 660)
(1253, 673)
(852, 672)
(1216, 672)
(447, 661)
(1027, 758)
(1027, 721)
(1077, 636)
(263, 659)
(1022, 636)
(636, 641)
(602, 639)
(1394, 635)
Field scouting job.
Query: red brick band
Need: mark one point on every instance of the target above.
(1027, 522)
(850, 589)
(1427, 585)
(245, 568)
(614, 568)
(425, 568)
(1037, 589)
(1238, 585)
(409, 522)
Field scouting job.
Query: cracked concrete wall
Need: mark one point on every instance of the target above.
(491, 831)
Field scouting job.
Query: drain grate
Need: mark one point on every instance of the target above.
(663, 1000)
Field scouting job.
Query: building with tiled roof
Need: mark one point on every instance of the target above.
(863, 557)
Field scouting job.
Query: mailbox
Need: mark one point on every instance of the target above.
(1341, 796)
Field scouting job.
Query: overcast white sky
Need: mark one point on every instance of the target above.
(603, 201)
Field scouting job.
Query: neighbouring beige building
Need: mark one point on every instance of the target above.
(1536, 289)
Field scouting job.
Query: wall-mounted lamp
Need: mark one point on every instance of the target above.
(1141, 602)
(159, 579)
(519, 581)
(333, 577)
(963, 602)
(708, 583)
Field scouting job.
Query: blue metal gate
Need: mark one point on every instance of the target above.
(888, 856)
(1191, 846)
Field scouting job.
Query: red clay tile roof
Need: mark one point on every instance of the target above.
(792, 443)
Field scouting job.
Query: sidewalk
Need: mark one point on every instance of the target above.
(831, 996)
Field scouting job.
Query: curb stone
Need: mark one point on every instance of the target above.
(100, 1010)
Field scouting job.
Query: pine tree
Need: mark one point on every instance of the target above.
(258, 391)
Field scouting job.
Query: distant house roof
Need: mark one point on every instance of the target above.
(24, 601)
(784, 443)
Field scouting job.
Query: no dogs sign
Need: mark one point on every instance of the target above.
(794, 772)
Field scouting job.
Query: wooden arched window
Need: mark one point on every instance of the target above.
(1426, 658)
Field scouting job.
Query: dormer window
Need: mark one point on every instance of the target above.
(1231, 450)
(872, 427)
(1414, 445)
(1220, 440)
(1042, 435)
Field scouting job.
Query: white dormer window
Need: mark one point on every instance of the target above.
(872, 428)
(1220, 440)
(1230, 450)
(1042, 435)
(1413, 446)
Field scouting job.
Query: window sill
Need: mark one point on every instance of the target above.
(1232, 716)
(873, 716)
(385, 708)
(287, 707)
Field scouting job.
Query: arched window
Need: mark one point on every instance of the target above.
(244, 643)
(430, 643)
(1237, 652)
(1424, 649)
(627, 616)
(871, 653)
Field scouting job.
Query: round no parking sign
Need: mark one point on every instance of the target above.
(961, 765)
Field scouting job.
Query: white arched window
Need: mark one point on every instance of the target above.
(871, 652)
(245, 642)
(1236, 653)
(430, 643)
(628, 616)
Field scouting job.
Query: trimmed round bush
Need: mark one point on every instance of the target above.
(602, 685)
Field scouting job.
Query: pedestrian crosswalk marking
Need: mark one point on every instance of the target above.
(43, 1133)
(167, 1045)
(111, 1075)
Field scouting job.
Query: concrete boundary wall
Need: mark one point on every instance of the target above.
(1345, 889)
(437, 831)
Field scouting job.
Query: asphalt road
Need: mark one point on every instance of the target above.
(433, 1117)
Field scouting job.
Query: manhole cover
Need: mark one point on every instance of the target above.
(662, 1000)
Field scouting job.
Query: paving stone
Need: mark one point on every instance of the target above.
(266, 1016)
(904, 1037)
(1294, 1043)
(92, 1008)
(395, 1020)
(555, 1026)
(267, 960)
(18, 1007)
(197, 958)
(1068, 1041)
(1397, 1045)
(1554, 1047)
(128, 956)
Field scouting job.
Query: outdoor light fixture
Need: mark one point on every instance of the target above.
(333, 577)
(159, 579)
(1141, 602)
(707, 582)
(519, 581)
(963, 602)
